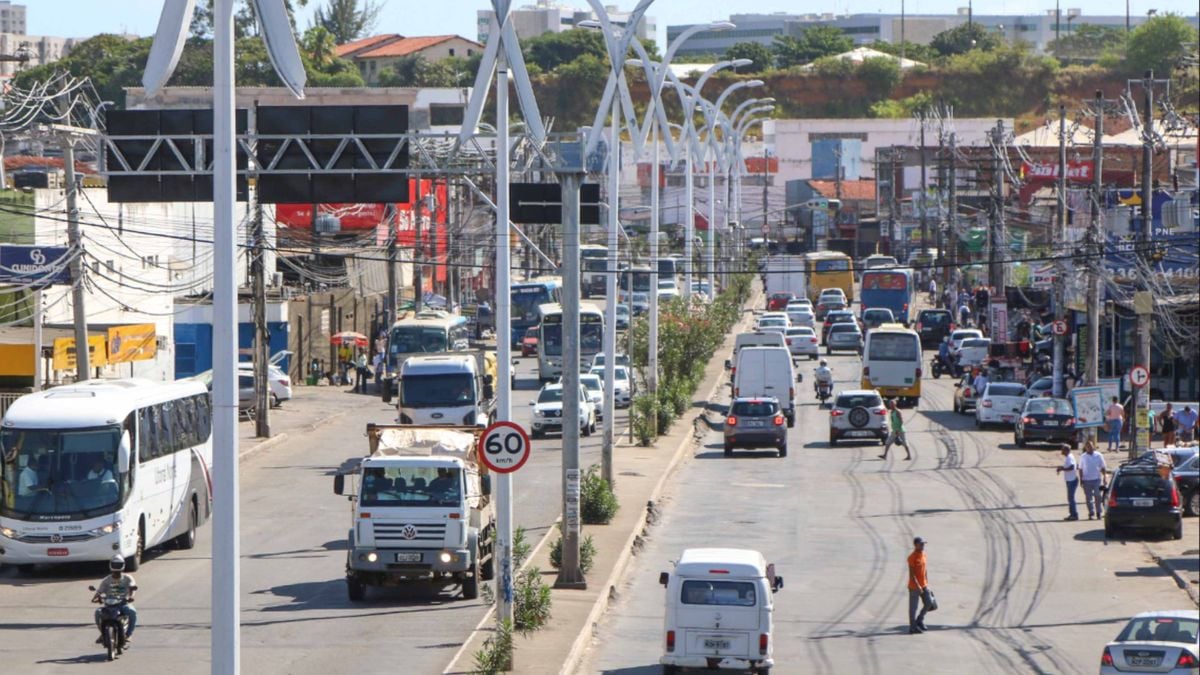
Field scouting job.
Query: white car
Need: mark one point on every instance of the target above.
(548, 411)
(832, 294)
(1041, 387)
(858, 413)
(622, 387)
(594, 385)
(1155, 642)
(959, 336)
(799, 303)
(281, 384)
(973, 352)
(801, 316)
(598, 360)
(668, 285)
(1001, 403)
(802, 341)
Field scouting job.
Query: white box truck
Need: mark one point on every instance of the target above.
(421, 510)
(455, 389)
(785, 274)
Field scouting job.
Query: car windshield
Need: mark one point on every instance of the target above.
(1048, 406)
(620, 373)
(590, 383)
(550, 395)
(725, 593)
(772, 321)
(859, 400)
(60, 472)
(531, 333)
(884, 315)
(963, 335)
(436, 391)
(1160, 629)
(1005, 390)
(411, 486)
(755, 408)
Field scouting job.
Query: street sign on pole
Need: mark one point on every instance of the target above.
(1139, 376)
(1060, 327)
(766, 229)
(504, 447)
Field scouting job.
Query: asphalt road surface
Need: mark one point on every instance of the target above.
(296, 617)
(1020, 590)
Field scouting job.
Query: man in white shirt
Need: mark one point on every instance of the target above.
(1071, 475)
(980, 383)
(1092, 471)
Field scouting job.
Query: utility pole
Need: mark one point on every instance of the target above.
(1060, 231)
(610, 297)
(1095, 249)
(952, 216)
(1144, 309)
(262, 352)
(392, 255)
(940, 269)
(924, 190)
(82, 348)
(418, 256)
(996, 271)
(570, 575)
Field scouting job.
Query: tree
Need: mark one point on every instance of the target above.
(1088, 42)
(319, 46)
(910, 50)
(346, 20)
(963, 38)
(757, 52)
(812, 44)
(1159, 44)
(881, 75)
(551, 50)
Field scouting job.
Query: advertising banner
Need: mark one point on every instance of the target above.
(64, 352)
(137, 342)
(1089, 406)
(34, 265)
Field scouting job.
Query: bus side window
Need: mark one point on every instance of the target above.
(162, 415)
(187, 409)
(204, 410)
(146, 434)
(179, 426)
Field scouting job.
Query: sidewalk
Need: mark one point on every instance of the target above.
(309, 408)
(641, 474)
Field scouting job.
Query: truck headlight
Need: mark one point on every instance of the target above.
(372, 557)
(446, 557)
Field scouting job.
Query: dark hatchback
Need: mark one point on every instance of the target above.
(933, 325)
(1187, 481)
(755, 423)
(836, 316)
(1048, 420)
(1140, 498)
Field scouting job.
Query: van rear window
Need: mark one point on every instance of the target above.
(724, 593)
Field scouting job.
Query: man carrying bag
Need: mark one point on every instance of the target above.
(918, 589)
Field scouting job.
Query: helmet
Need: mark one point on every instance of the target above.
(117, 563)
(824, 363)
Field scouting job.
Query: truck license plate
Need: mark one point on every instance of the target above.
(408, 557)
(710, 643)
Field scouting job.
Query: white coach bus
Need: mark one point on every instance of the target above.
(101, 467)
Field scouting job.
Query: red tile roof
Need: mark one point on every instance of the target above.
(852, 190)
(408, 46)
(352, 48)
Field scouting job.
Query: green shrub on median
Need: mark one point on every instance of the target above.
(587, 554)
(496, 654)
(598, 503)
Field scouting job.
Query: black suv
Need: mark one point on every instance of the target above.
(933, 325)
(1140, 498)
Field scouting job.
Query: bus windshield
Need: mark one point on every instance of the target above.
(417, 339)
(840, 265)
(525, 302)
(60, 472)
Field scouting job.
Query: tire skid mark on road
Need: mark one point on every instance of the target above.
(869, 661)
(1001, 609)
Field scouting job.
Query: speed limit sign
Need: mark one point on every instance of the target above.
(1060, 327)
(504, 447)
(1139, 376)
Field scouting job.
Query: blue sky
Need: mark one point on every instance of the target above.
(81, 18)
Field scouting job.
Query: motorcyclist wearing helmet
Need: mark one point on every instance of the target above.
(121, 584)
(944, 353)
(822, 375)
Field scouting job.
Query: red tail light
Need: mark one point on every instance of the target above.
(918, 373)
(764, 640)
(966, 391)
(731, 421)
(779, 420)
(1112, 496)
(813, 340)
(788, 340)
(880, 411)
(1106, 658)
(1174, 496)
(1186, 660)
(866, 371)
(987, 403)
(836, 413)
(671, 642)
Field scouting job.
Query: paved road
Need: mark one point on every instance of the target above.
(296, 617)
(1021, 591)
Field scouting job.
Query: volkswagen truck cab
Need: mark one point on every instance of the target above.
(718, 611)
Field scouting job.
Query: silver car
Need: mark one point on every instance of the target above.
(1155, 642)
(802, 341)
(844, 337)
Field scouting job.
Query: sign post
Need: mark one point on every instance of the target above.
(1139, 377)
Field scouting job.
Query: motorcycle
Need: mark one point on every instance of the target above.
(940, 367)
(824, 391)
(113, 624)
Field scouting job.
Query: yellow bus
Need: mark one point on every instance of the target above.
(828, 269)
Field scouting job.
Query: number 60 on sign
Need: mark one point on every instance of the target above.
(504, 447)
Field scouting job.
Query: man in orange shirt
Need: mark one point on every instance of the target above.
(918, 584)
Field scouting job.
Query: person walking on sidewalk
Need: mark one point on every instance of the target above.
(918, 587)
(1167, 425)
(1185, 423)
(1071, 475)
(360, 373)
(896, 431)
(1114, 419)
(1092, 471)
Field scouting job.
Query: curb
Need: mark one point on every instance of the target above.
(1180, 580)
(582, 641)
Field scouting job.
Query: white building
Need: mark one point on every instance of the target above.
(12, 18)
(547, 16)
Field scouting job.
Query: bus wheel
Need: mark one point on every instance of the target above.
(133, 562)
(187, 540)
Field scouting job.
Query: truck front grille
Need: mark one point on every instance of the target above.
(399, 535)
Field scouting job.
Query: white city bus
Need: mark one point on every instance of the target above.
(550, 338)
(102, 467)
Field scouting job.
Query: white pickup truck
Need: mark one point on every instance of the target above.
(421, 510)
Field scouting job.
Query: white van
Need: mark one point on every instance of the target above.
(892, 363)
(718, 611)
(766, 372)
(755, 339)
